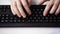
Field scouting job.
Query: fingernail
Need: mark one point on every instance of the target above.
(51, 12)
(29, 13)
(56, 14)
(44, 15)
(24, 16)
(14, 14)
(19, 16)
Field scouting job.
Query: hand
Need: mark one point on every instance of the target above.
(16, 7)
(55, 4)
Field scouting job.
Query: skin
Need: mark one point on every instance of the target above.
(16, 7)
(55, 4)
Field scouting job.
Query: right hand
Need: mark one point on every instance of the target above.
(54, 5)
(16, 7)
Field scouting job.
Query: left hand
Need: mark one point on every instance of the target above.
(17, 9)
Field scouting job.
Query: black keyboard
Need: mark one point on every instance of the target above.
(7, 19)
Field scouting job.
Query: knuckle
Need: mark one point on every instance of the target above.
(49, 5)
(25, 5)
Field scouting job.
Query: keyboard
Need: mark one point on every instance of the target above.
(36, 19)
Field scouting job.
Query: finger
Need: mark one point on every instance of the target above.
(29, 1)
(12, 8)
(26, 6)
(16, 10)
(41, 2)
(48, 8)
(19, 6)
(58, 11)
(55, 6)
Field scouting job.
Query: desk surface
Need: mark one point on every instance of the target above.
(29, 30)
(26, 30)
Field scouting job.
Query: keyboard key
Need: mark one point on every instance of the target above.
(35, 19)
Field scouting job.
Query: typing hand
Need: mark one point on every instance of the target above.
(55, 4)
(16, 7)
